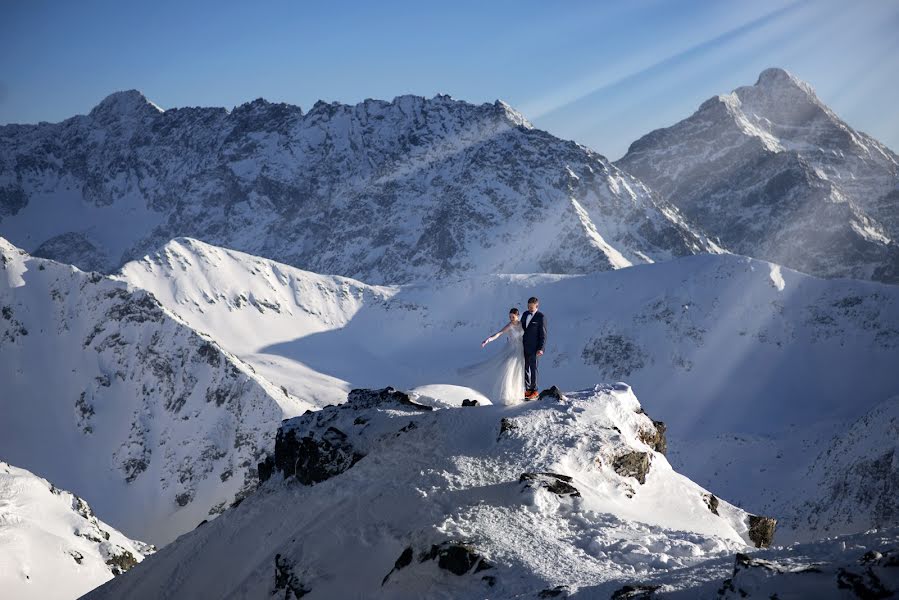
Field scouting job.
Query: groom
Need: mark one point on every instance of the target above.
(534, 341)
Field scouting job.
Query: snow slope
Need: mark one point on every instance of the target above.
(51, 544)
(435, 505)
(383, 191)
(773, 173)
(754, 367)
(109, 395)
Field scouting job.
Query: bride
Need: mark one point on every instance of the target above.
(501, 377)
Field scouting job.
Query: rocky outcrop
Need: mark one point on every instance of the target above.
(560, 485)
(712, 502)
(654, 436)
(506, 425)
(457, 558)
(636, 592)
(874, 574)
(287, 581)
(321, 444)
(553, 393)
(761, 530)
(633, 464)
(312, 459)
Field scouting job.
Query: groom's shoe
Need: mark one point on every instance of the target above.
(531, 395)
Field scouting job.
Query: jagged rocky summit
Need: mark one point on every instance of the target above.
(387, 192)
(388, 496)
(771, 172)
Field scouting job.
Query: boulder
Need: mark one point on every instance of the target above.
(552, 393)
(506, 425)
(712, 502)
(559, 485)
(654, 436)
(632, 464)
(456, 557)
(312, 459)
(636, 592)
(761, 530)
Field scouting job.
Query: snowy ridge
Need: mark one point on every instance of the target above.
(247, 303)
(559, 494)
(773, 173)
(110, 395)
(386, 192)
(51, 544)
(745, 360)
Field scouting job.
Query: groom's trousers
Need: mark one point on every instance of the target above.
(530, 371)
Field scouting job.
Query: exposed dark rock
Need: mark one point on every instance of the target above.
(404, 560)
(655, 437)
(506, 425)
(560, 591)
(712, 502)
(76, 556)
(761, 530)
(635, 592)
(552, 482)
(286, 579)
(408, 427)
(362, 398)
(120, 563)
(457, 558)
(314, 459)
(552, 393)
(266, 468)
(633, 464)
(868, 577)
(468, 402)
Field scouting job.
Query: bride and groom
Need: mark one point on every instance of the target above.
(517, 362)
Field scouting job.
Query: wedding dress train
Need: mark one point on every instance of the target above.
(500, 377)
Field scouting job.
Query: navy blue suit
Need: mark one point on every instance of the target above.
(534, 340)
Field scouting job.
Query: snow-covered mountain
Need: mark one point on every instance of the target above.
(756, 368)
(382, 497)
(383, 191)
(247, 303)
(773, 173)
(108, 394)
(51, 544)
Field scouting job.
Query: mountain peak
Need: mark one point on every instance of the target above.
(776, 81)
(124, 103)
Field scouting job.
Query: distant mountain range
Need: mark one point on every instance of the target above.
(773, 173)
(392, 192)
(386, 192)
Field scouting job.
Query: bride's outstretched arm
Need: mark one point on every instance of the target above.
(497, 334)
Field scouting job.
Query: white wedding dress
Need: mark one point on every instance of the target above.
(500, 377)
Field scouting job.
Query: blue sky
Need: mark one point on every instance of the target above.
(601, 73)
